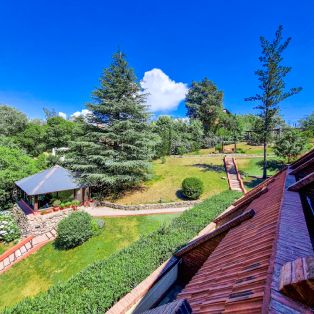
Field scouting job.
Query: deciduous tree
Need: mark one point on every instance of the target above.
(290, 145)
(12, 121)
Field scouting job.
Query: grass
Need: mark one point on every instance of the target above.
(49, 266)
(165, 184)
(244, 148)
(252, 170)
(5, 246)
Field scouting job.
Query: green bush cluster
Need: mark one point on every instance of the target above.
(74, 230)
(58, 203)
(100, 285)
(9, 231)
(192, 188)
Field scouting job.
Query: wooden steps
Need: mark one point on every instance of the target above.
(234, 178)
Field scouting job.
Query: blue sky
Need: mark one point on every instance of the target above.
(53, 52)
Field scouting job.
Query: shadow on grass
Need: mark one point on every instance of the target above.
(181, 196)
(272, 165)
(253, 183)
(210, 167)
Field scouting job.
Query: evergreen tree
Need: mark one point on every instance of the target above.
(204, 102)
(272, 85)
(117, 145)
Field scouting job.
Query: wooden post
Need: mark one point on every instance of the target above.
(36, 202)
(83, 195)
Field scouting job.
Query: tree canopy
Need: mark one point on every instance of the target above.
(114, 152)
(14, 165)
(12, 121)
(290, 145)
(272, 85)
(204, 102)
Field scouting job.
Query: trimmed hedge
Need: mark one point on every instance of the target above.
(192, 188)
(100, 285)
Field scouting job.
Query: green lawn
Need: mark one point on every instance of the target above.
(242, 148)
(166, 182)
(49, 266)
(5, 246)
(251, 169)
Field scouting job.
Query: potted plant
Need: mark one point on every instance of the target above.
(75, 204)
(62, 205)
(67, 204)
(56, 205)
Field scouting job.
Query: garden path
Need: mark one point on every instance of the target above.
(110, 212)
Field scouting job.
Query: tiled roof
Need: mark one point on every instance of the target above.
(241, 275)
(233, 278)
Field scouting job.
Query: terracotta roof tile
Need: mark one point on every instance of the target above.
(233, 278)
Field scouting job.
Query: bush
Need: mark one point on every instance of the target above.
(9, 231)
(75, 203)
(56, 203)
(74, 230)
(96, 288)
(192, 188)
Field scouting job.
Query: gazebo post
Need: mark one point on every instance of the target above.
(83, 195)
(36, 202)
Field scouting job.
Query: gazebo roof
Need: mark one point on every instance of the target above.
(51, 180)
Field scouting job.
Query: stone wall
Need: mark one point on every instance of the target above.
(149, 206)
(21, 220)
(38, 224)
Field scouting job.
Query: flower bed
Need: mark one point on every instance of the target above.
(9, 231)
(100, 285)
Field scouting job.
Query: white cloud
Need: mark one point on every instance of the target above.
(164, 93)
(62, 115)
(84, 113)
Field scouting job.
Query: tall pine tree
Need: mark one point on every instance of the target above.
(272, 85)
(114, 151)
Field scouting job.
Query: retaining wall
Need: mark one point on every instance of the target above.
(17, 252)
(149, 206)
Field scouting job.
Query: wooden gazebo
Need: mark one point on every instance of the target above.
(51, 181)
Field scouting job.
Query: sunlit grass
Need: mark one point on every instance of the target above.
(167, 178)
(49, 265)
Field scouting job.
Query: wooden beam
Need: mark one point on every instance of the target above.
(302, 183)
(297, 280)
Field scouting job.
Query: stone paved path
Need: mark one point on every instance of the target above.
(110, 212)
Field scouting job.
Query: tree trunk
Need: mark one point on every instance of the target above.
(265, 160)
(235, 146)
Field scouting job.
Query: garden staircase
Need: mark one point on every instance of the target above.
(24, 248)
(234, 178)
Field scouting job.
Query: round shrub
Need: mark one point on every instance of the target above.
(9, 230)
(74, 230)
(192, 188)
